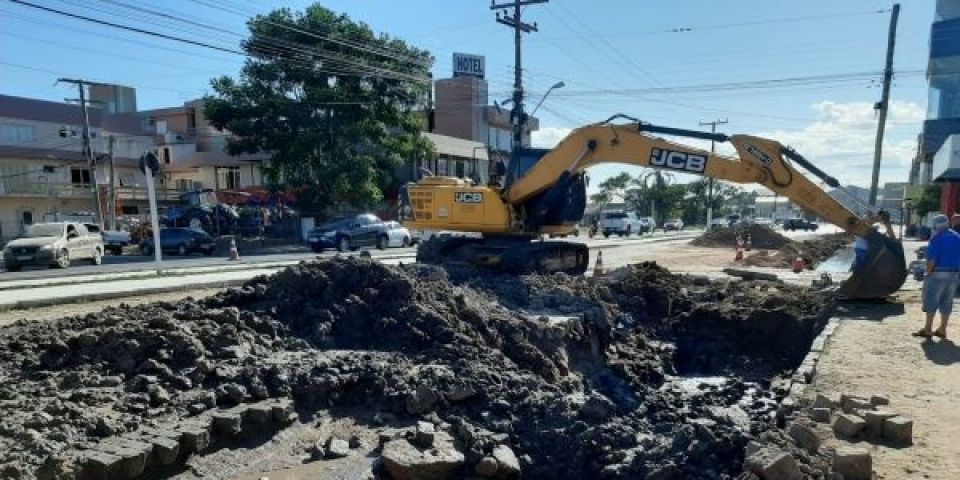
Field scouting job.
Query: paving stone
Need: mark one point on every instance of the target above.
(819, 343)
(99, 465)
(770, 463)
(337, 448)
(854, 463)
(804, 436)
(823, 401)
(846, 425)
(165, 451)
(507, 464)
(227, 423)
(820, 415)
(283, 412)
(875, 419)
(898, 430)
(403, 461)
(259, 415)
(194, 438)
(850, 404)
(132, 464)
(423, 435)
(879, 400)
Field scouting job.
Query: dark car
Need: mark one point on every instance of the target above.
(349, 233)
(799, 224)
(182, 241)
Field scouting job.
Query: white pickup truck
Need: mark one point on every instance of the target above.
(621, 223)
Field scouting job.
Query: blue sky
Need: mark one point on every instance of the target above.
(613, 55)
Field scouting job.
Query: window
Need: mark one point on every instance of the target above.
(166, 155)
(228, 177)
(15, 133)
(26, 218)
(129, 210)
(80, 176)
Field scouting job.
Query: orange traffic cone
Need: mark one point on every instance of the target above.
(798, 264)
(749, 242)
(234, 253)
(598, 268)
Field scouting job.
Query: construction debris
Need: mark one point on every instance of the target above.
(650, 374)
(761, 236)
(811, 252)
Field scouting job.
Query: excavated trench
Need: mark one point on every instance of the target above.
(644, 375)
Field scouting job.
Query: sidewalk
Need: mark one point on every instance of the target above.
(872, 352)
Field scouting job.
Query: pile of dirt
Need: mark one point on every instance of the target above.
(761, 236)
(662, 376)
(811, 251)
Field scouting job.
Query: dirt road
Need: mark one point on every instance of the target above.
(873, 353)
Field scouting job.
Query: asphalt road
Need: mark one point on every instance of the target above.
(134, 263)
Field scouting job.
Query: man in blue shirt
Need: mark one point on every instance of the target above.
(943, 273)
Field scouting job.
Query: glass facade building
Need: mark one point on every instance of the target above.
(943, 74)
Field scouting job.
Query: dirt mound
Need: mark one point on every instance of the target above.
(811, 251)
(726, 237)
(662, 376)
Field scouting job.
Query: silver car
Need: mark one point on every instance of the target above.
(54, 244)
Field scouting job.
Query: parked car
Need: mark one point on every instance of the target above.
(181, 241)
(55, 244)
(398, 235)
(621, 223)
(113, 240)
(349, 233)
(799, 224)
(719, 223)
(649, 224)
(673, 224)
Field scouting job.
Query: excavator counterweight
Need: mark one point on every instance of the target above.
(544, 192)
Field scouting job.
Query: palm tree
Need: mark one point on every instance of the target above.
(653, 186)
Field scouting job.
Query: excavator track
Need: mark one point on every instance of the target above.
(506, 254)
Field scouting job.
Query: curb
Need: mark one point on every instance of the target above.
(805, 374)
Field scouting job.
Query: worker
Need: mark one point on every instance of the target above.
(943, 272)
(955, 222)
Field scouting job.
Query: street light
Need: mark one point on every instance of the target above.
(544, 97)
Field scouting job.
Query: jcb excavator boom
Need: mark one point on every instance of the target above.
(545, 192)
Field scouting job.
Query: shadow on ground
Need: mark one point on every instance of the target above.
(874, 311)
(944, 352)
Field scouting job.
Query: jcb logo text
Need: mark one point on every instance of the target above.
(468, 197)
(685, 162)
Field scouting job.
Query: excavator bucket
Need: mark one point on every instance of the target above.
(882, 273)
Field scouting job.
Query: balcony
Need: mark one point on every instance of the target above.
(33, 189)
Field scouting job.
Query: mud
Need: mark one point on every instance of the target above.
(811, 251)
(761, 237)
(655, 375)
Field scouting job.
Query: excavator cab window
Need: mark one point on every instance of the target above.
(406, 210)
(527, 158)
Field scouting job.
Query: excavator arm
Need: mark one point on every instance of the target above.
(761, 161)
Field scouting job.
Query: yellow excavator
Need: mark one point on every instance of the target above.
(544, 192)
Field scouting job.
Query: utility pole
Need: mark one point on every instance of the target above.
(517, 117)
(713, 149)
(113, 186)
(883, 105)
(87, 150)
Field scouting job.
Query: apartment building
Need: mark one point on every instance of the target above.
(43, 172)
(193, 153)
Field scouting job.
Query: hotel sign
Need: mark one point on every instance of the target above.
(466, 65)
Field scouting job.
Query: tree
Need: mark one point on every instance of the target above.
(930, 200)
(611, 188)
(695, 206)
(333, 103)
(655, 190)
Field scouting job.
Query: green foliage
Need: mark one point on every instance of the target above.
(334, 120)
(930, 200)
(613, 188)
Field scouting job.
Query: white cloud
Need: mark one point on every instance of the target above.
(549, 137)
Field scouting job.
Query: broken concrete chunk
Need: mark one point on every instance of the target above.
(879, 400)
(283, 412)
(770, 463)
(898, 430)
(820, 415)
(848, 426)
(194, 438)
(507, 463)
(403, 461)
(101, 465)
(854, 463)
(804, 436)
(421, 400)
(165, 451)
(227, 423)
